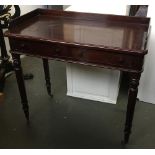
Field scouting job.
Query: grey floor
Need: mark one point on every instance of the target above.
(67, 122)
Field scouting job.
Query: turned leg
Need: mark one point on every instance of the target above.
(47, 75)
(21, 85)
(132, 95)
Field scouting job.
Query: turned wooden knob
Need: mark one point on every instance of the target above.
(22, 45)
(57, 50)
(81, 53)
(121, 60)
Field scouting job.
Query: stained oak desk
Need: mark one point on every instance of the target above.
(109, 41)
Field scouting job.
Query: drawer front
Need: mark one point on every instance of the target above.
(39, 48)
(113, 59)
(52, 50)
(78, 54)
(107, 58)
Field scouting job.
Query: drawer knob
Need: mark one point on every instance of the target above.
(81, 53)
(121, 60)
(57, 49)
(22, 45)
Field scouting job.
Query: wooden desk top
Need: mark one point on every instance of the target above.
(123, 33)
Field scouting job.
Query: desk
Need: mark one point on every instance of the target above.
(109, 41)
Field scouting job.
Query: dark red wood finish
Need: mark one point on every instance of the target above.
(110, 41)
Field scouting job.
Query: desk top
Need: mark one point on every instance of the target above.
(123, 33)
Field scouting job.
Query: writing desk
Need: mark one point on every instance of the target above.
(109, 41)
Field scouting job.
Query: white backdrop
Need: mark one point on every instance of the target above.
(28, 8)
(147, 83)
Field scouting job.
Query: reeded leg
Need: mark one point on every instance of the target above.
(132, 95)
(47, 75)
(21, 85)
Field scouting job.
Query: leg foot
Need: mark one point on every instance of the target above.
(26, 110)
(126, 137)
